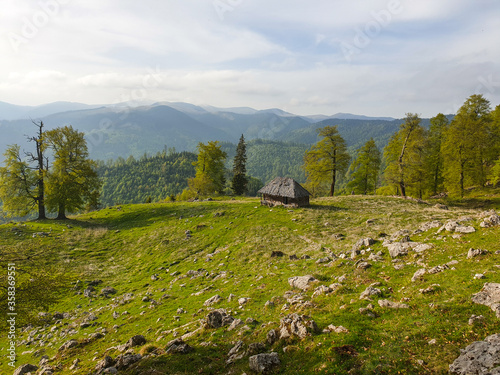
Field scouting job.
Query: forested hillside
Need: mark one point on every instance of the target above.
(137, 181)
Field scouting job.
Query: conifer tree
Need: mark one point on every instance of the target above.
(364, 169)
(438, 126)
(240, 179)
(327, 158)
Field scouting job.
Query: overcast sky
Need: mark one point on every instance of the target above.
(378, 58)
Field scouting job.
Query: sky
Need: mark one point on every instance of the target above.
(368, 57)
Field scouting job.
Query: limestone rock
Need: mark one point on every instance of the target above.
(489, 296)
(136, 340)
(125, 360)
(492, 220)
(392, 305)
(218, 318)
(212, 300)
(295, 325)
(24, 369)
(322, 289)
(264, 363)
(418, 274)
(332, 328)
(475, 319)
(480, 357)
(105, 363)
(236, 352)
(301, 282)
(397, 249)
(178, 346)
(364, 265)
(272, 336)
(472, 253)
(370, 291)
(68, 345)
(235, 324)
(464, 229)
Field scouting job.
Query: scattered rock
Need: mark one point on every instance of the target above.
(322, 289)
(178, 346)
(332, 328)
(235, 324)
(480, 357)
(422, 247)
(107, 291)
(370, 291)
(491, 220)
(472, 253)
(430, 225)
(105, 363)
(264, 363)
(392, 305)
(431, 289)
(301, 282)
(68, 345)
(24, 369)
(479, 276)
(364, 265)
(297, 325)
(242, 301)
(418, 275)
(277, 254)
(212, 300)
(218, 318)
(272, 336)
(397, 249)
(236, 352)
(125, 360)
(475, 319)
(489, 296)
(464, 229)
(89, 291)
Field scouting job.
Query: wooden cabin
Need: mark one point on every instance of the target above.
(284, 191)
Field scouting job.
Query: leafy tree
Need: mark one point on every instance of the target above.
(467, 146)
(364, 169)
(404, 153)
(240, 179)
(22, 182)
(327, 158)
(73, 180)
(437, 128)
(209, 176)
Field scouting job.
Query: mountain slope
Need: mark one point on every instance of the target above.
(165, 261)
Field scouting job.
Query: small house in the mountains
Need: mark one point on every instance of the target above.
(284, 191)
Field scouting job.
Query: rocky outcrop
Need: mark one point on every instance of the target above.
(213, 300)
(472, 253)
(264, 363)
(392, 305)
(491, 219)
(178, 346)
(480, 357)
(489, 296)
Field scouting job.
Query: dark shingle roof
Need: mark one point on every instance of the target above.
(284, 187)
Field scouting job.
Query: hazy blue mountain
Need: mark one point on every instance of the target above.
(16, 112)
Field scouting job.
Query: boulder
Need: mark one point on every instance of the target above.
(295, 325)
(105, 363)
(272, 336)
(480, 357)
(235, 324)
(489, 296)
(24, 369)
(322, 289)
(264, 363)
(218, 318)
(364, 265)
(136, 340)
(464, 229)
(301, 282)
(178, 346)
(107, 291)
(125, 360)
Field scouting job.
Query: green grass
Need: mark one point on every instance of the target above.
(233, 240)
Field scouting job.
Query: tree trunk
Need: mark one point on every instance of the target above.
(332, 186)
(41, 167)
(61, 214)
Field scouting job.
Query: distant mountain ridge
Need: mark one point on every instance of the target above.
(120, 130)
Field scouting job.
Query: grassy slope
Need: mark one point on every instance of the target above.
(124, 246)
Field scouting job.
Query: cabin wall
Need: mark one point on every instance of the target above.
(272, 201)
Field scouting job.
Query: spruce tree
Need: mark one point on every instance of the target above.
(240, 179)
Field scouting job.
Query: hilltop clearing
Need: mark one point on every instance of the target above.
(356, 284)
